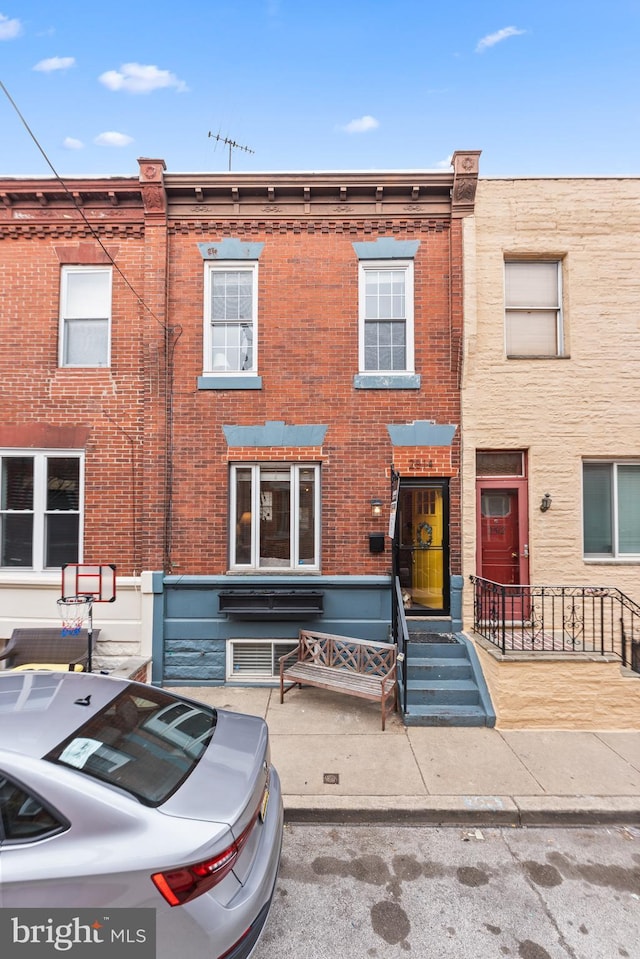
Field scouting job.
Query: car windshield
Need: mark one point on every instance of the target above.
(146, 742)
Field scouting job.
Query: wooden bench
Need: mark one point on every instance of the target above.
(352, 666)
(45, 645)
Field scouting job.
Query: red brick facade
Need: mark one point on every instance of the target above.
(157, 460)
(45, 406)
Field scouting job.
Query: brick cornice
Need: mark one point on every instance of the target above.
(258, 227)
(69, 207)
(351, 198)
(76, 230)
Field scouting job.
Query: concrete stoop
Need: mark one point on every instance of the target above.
(445, 684)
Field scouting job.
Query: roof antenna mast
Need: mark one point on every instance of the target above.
(231, 144)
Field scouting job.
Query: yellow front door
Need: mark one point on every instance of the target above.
(427, 535)
(422, 556)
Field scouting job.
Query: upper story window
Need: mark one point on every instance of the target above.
(275, 516)
(386, 316)
(533, 308)
(611, 510)
(85, 316)
(40, 509)
(230, 317)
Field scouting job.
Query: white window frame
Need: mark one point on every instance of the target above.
(377, 266)
(532, 310)
(66, 319)
(615, 553)
(39, 510)
(294, 527)
(210, 365)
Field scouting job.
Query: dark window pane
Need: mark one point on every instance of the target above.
(17, 540)
(61, 538)
(500, 463)
(306, 518)
(629, 508)
(598, 530)
(243, 517)
(275, 518)
(17, 482)
(63, 483)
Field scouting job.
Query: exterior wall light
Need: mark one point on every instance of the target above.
(545, 503)
(376, 508)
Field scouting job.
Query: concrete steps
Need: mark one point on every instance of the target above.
(445, 686)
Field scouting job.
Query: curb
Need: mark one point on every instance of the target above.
(516, 812)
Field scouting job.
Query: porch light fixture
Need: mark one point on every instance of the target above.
(376, 508)
(545, 503)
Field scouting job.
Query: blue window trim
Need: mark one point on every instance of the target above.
(386, 381)
(275, 433)
(219, 382)
(421, 433)
(230, 249)
(387, 248)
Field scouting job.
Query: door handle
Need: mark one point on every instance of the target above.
(514, 556)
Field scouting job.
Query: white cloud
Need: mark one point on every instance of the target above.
(444, 164)
(9, 29)
(138, 78)
(362, 125)
(113, 139)
(70, 143)
(55, 63)
(492, 38)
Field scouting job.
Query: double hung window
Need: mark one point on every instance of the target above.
(611, 510)
(230, 318)
(533, 314)
(40, 509)
(275, 516)
(386, 316)
(85, 316)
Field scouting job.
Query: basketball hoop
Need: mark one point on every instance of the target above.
(73, 611)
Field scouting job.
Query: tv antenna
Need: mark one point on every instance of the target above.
(231, 144)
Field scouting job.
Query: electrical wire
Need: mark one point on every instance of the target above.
(169, 332)
(79, 209)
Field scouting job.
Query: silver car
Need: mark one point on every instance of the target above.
(118, 794)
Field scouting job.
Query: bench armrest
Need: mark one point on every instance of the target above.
(295, 652)
(389, 678)
(9, 649)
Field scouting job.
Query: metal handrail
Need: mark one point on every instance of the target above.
(400, 635)
(599, 620)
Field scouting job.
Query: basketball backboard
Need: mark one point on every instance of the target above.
(83, 579)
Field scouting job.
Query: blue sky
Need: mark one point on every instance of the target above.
(542, 88)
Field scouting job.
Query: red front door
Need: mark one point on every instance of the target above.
(503, 552)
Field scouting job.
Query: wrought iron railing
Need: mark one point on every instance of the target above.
(558, 619)
(400, 636)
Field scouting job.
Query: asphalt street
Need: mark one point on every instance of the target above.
(381, 892)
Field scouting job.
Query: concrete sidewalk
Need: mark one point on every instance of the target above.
(336, 765)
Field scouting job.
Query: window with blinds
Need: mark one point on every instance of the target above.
(533, 313)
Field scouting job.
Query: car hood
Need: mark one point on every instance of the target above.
(228, 782)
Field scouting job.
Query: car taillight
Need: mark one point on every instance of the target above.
(184, 883)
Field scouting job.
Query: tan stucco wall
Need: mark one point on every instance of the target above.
(559, 410)
(558, 694)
